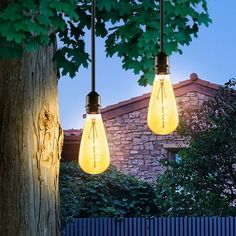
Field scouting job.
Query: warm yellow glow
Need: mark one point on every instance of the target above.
(94, 157)
(162, 112)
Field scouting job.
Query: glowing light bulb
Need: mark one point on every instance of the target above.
(162, 112)
(94, 157)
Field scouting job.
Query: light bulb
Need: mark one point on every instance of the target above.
(94, 157)
(162, 112)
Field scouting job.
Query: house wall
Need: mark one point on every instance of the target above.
(135, 149)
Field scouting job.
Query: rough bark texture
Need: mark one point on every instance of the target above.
(30, 145)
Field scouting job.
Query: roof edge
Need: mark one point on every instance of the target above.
(194, 83)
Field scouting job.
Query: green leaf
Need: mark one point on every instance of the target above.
(12, 13)
(204, 19)
(101, 29)
(106, 5)
(67, 8)
(130, 29)
(43, 20)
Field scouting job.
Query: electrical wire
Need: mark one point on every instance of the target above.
(93, 7)
(161, 25)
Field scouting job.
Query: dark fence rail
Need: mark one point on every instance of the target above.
(162, 226)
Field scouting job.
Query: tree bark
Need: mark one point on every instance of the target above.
(30, 145)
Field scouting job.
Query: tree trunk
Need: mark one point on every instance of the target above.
(30, 145)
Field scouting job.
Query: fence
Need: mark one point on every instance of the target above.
(169, 226)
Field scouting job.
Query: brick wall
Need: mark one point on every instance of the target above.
(135, 149)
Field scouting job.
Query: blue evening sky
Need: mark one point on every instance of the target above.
(212, 56)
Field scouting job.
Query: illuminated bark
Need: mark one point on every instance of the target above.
(30, 145)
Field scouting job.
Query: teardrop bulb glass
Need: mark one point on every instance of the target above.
(94, 157)
(163, 115)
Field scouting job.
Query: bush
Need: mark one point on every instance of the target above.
(203, 182)
(111, 194)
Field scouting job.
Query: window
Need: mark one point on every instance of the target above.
(173, 149)
(173, 154)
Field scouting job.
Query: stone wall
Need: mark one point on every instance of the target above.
(135, 149)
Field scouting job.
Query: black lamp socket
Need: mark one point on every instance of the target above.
(93, 103)
(162, 64)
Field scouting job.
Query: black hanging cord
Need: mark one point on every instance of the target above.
(161, 25)
(93, 6)
(161, 61)
(93, 100)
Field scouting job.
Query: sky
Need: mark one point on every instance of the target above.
(212, 56)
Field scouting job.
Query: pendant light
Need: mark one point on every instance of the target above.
(162, 112)
(94, 157)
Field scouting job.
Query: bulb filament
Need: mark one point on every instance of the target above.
(93, 132)
(163, 95)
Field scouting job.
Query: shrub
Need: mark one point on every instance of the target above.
(203, 182)
(111, 194)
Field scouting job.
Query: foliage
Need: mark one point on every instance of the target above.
(130, 30)
(111, 194)
(203, 182)
(26, 24)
